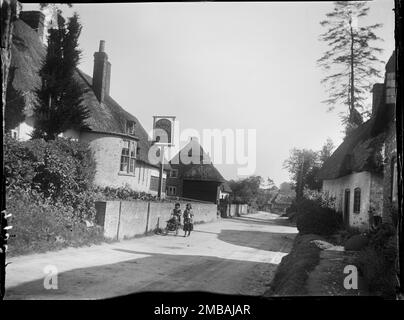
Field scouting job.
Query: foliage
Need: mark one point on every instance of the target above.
(313, 216)
(292, 273)
(377, 261)
(41, 225)
(61, 171)
(60, 98)
(303, 166)
(121, 193)
(351, 60)
(250, 191)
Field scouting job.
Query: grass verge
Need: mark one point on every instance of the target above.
(292, 273)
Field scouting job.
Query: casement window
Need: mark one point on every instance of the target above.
(128, 157)
(174, 173)
(357, 200)
(172, 191)
(154, 183)
(130, 127)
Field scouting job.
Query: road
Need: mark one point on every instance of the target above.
(232, 256)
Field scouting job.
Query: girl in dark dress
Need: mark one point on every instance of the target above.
(188, 220)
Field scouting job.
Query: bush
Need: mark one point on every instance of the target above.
(40, 225)
(378, 261)
(121, 193)
(61, 171)
(313, 217)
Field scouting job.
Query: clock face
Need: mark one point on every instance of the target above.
(163, 131)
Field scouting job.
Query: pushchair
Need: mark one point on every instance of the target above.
(173, 225)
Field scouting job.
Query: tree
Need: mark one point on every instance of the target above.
(304, 166)
(351, 59)
(9, 13)
(326, 151)
(300, 164)
(60, 97)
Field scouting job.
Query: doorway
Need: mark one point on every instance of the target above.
(347, 196)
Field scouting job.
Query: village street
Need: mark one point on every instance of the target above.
(233, 256)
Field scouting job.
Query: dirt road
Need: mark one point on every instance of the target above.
(234, 256)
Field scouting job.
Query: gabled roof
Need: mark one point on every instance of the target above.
(225, 187)
(197, 169)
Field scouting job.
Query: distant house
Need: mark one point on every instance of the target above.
(190, 177)
(119, 142)
(361, 173)
(225, 191)
(282, 199)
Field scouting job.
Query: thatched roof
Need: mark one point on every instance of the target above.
(27, 54)
(110, 117)
(196, 170)
(361, 150)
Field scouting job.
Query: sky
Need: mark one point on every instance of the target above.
(241, 65)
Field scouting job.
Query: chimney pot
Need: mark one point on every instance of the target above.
(101, 73)
(102, 46)
(377, 96)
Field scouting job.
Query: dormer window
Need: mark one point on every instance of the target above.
(130, 127)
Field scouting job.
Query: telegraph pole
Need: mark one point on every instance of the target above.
(160, 191)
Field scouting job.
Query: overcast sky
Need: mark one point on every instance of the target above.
(224, 65)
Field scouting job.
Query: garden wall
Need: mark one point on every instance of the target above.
(126, 219)
(235, 210)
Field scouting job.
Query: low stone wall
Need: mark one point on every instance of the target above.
(236, 210)
(126, 219)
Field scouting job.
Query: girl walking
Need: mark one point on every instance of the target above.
(188, 220)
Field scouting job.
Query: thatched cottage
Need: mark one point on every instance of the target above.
(361, 173)
(119, 142)
(193, 178)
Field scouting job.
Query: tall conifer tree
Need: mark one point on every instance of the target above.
(60, 97)
(351, 61)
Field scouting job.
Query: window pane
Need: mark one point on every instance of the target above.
(124, 163)
(357, 200)
(132, 166)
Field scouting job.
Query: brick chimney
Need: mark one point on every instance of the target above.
(377, 96)
(35, 19)
(101, 73)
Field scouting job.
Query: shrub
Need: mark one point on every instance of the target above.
(41, 225)
(122, 193)
(60, 170)
(313, 217)
(378, 261)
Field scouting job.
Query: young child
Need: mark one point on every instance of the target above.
(176, 213)
(188, 220)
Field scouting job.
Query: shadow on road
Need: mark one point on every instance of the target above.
(149, 272)
(269, 241)
(277, 221)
